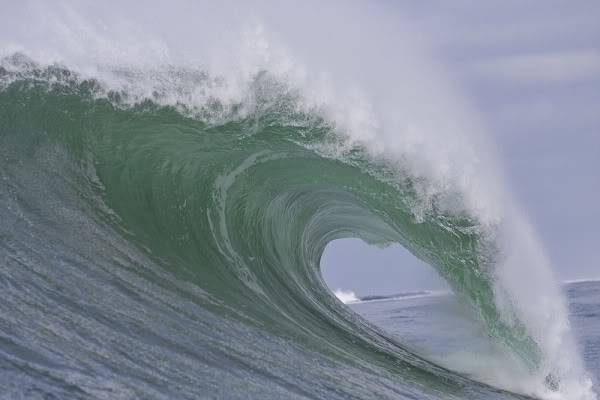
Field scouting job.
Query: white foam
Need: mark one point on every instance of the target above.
(581, 280)
(346, 296)
(408, 296)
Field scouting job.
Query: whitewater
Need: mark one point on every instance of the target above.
(171, 175)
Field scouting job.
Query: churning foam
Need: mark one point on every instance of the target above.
(346, 296)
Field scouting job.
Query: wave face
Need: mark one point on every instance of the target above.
(161, 238)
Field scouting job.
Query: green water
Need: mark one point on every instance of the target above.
(181, 248)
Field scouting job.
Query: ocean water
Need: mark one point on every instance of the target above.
(168, 186)
(437, 325)
(150, 252)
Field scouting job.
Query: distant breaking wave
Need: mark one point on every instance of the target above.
(346, 296)
(349, 297)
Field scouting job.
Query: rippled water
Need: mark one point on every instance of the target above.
(439, 326)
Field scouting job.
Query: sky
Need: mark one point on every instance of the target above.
(532, 70)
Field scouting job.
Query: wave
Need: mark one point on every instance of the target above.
(581, 280)
(184, 213)
(346, 296)
(349, 297)
(404, 296)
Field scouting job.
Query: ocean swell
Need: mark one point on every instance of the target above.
(242, 205)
